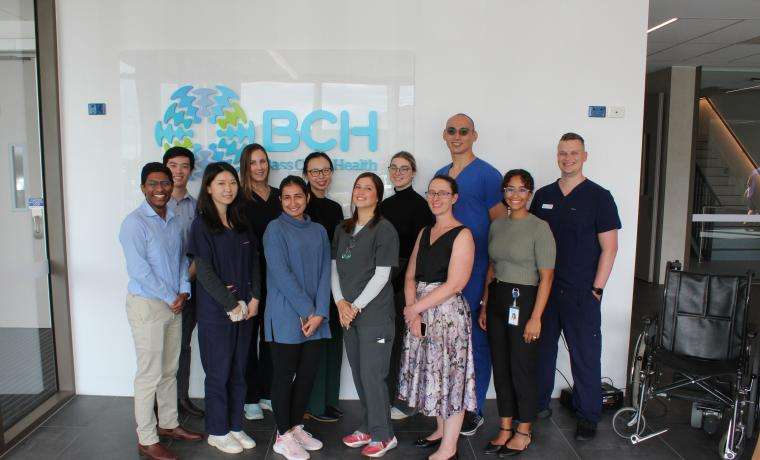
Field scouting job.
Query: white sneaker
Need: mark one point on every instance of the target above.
(253, 412)
(305, 439)
(226, 443)
(266, 404)
(246, 441)
(397, 414)
(287, 446)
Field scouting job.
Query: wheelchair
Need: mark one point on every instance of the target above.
(699, 348)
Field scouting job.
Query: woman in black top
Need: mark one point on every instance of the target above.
(323, 405)
(409, 213)
(262, 205)
(437, 369)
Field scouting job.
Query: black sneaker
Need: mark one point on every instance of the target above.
(585, 431)
(471, 424)
(332, 411)
(545, 413)
(324, 418)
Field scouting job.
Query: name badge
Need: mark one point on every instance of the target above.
(513, 318)
(547, 206)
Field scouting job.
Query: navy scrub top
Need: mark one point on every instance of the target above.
(576, 220)
(233, 255)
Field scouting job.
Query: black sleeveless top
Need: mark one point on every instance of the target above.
(433, 260)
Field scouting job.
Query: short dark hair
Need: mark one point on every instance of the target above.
(522, 174)
(452, 183)
(152, 167)
(178, 151)
(314, 155)
(572, 137)
(294, 180)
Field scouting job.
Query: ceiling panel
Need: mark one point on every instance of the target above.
(753, 60)
(683, 52)
(688, 29)
(653, 46)
(731, 52)
(745, 30)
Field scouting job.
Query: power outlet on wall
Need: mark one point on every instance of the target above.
(616, 112)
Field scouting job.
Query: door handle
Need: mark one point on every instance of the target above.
(37, 229)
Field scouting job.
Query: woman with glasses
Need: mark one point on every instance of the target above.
(262, 205)
(298, 274)
(521, 250)
(437, 370)
(409, 213)
(323, 405)
(224, 251)
(365, 248)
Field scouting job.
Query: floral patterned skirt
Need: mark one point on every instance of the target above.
(437, 375)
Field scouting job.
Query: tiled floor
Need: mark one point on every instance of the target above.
(102, 427)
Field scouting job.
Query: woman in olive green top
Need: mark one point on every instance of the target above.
(521, 250)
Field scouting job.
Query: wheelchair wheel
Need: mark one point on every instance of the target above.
(635, 376)
(624, 422)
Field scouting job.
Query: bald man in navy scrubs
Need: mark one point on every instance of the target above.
(585, 223)
(479, 203)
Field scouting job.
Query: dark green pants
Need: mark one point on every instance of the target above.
(327, 382)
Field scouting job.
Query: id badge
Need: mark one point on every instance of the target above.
(513, 315)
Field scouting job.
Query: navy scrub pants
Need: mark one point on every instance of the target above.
(577, 313)
(224, 354)
(481, 352)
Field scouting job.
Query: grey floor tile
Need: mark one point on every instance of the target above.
(92, 444)
(44, 443)
(607, 444)
(201, 450)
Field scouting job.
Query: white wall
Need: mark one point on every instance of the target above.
(525, 71)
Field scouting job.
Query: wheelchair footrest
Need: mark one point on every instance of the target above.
(635, 439)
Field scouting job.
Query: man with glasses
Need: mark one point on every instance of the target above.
(158, 288)
(479, 203)
(584, 220)
(181, 162)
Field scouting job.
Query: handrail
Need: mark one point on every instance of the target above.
(713, 198)
(731, 131)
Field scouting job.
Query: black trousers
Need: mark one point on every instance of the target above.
(188, 325)
(258, 372)
(514, 361)
(398, 342)
(292, 380)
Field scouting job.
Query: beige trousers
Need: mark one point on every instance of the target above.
(157, 333)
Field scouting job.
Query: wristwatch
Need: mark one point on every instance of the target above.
(597, 291)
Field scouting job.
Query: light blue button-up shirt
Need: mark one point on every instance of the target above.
(153, 249)
(184, 211)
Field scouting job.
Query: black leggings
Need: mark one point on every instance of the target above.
(291, 395)
(514, 361)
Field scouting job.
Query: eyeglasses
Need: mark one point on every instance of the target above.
(347, 253)
(434, 194)
(462, 131)
(320, 172)
(156, 183)
(513, 190)
(393, 169)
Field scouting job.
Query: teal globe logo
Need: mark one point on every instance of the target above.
(208, 121)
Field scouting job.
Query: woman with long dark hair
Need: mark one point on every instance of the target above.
(298, 275)
(323, 405)
(225, 254)
(365, 248)
(437, 369)
(262, 205)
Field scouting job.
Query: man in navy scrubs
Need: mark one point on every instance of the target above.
(585, 222)
(479, 203)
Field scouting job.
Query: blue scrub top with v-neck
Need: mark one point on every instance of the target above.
(479, 190)
(576, 219)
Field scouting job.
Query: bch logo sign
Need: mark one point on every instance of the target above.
(211, 123)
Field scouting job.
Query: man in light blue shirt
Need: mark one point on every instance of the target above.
(157, 290)
(181, 163)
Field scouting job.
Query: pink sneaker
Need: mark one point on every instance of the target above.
(357, 439)
(378, 449)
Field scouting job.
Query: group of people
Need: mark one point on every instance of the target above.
(426, 294)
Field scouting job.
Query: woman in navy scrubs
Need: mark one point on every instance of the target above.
(262, 205)
(225, 254)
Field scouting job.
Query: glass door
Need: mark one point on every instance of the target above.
(27, 352)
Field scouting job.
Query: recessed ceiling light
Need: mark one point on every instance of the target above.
(662, 24)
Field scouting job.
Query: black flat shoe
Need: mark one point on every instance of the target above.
(323, 418)
(507, 452)
(424, 443)
(333, 411)
(491, 448)
(186, 406)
